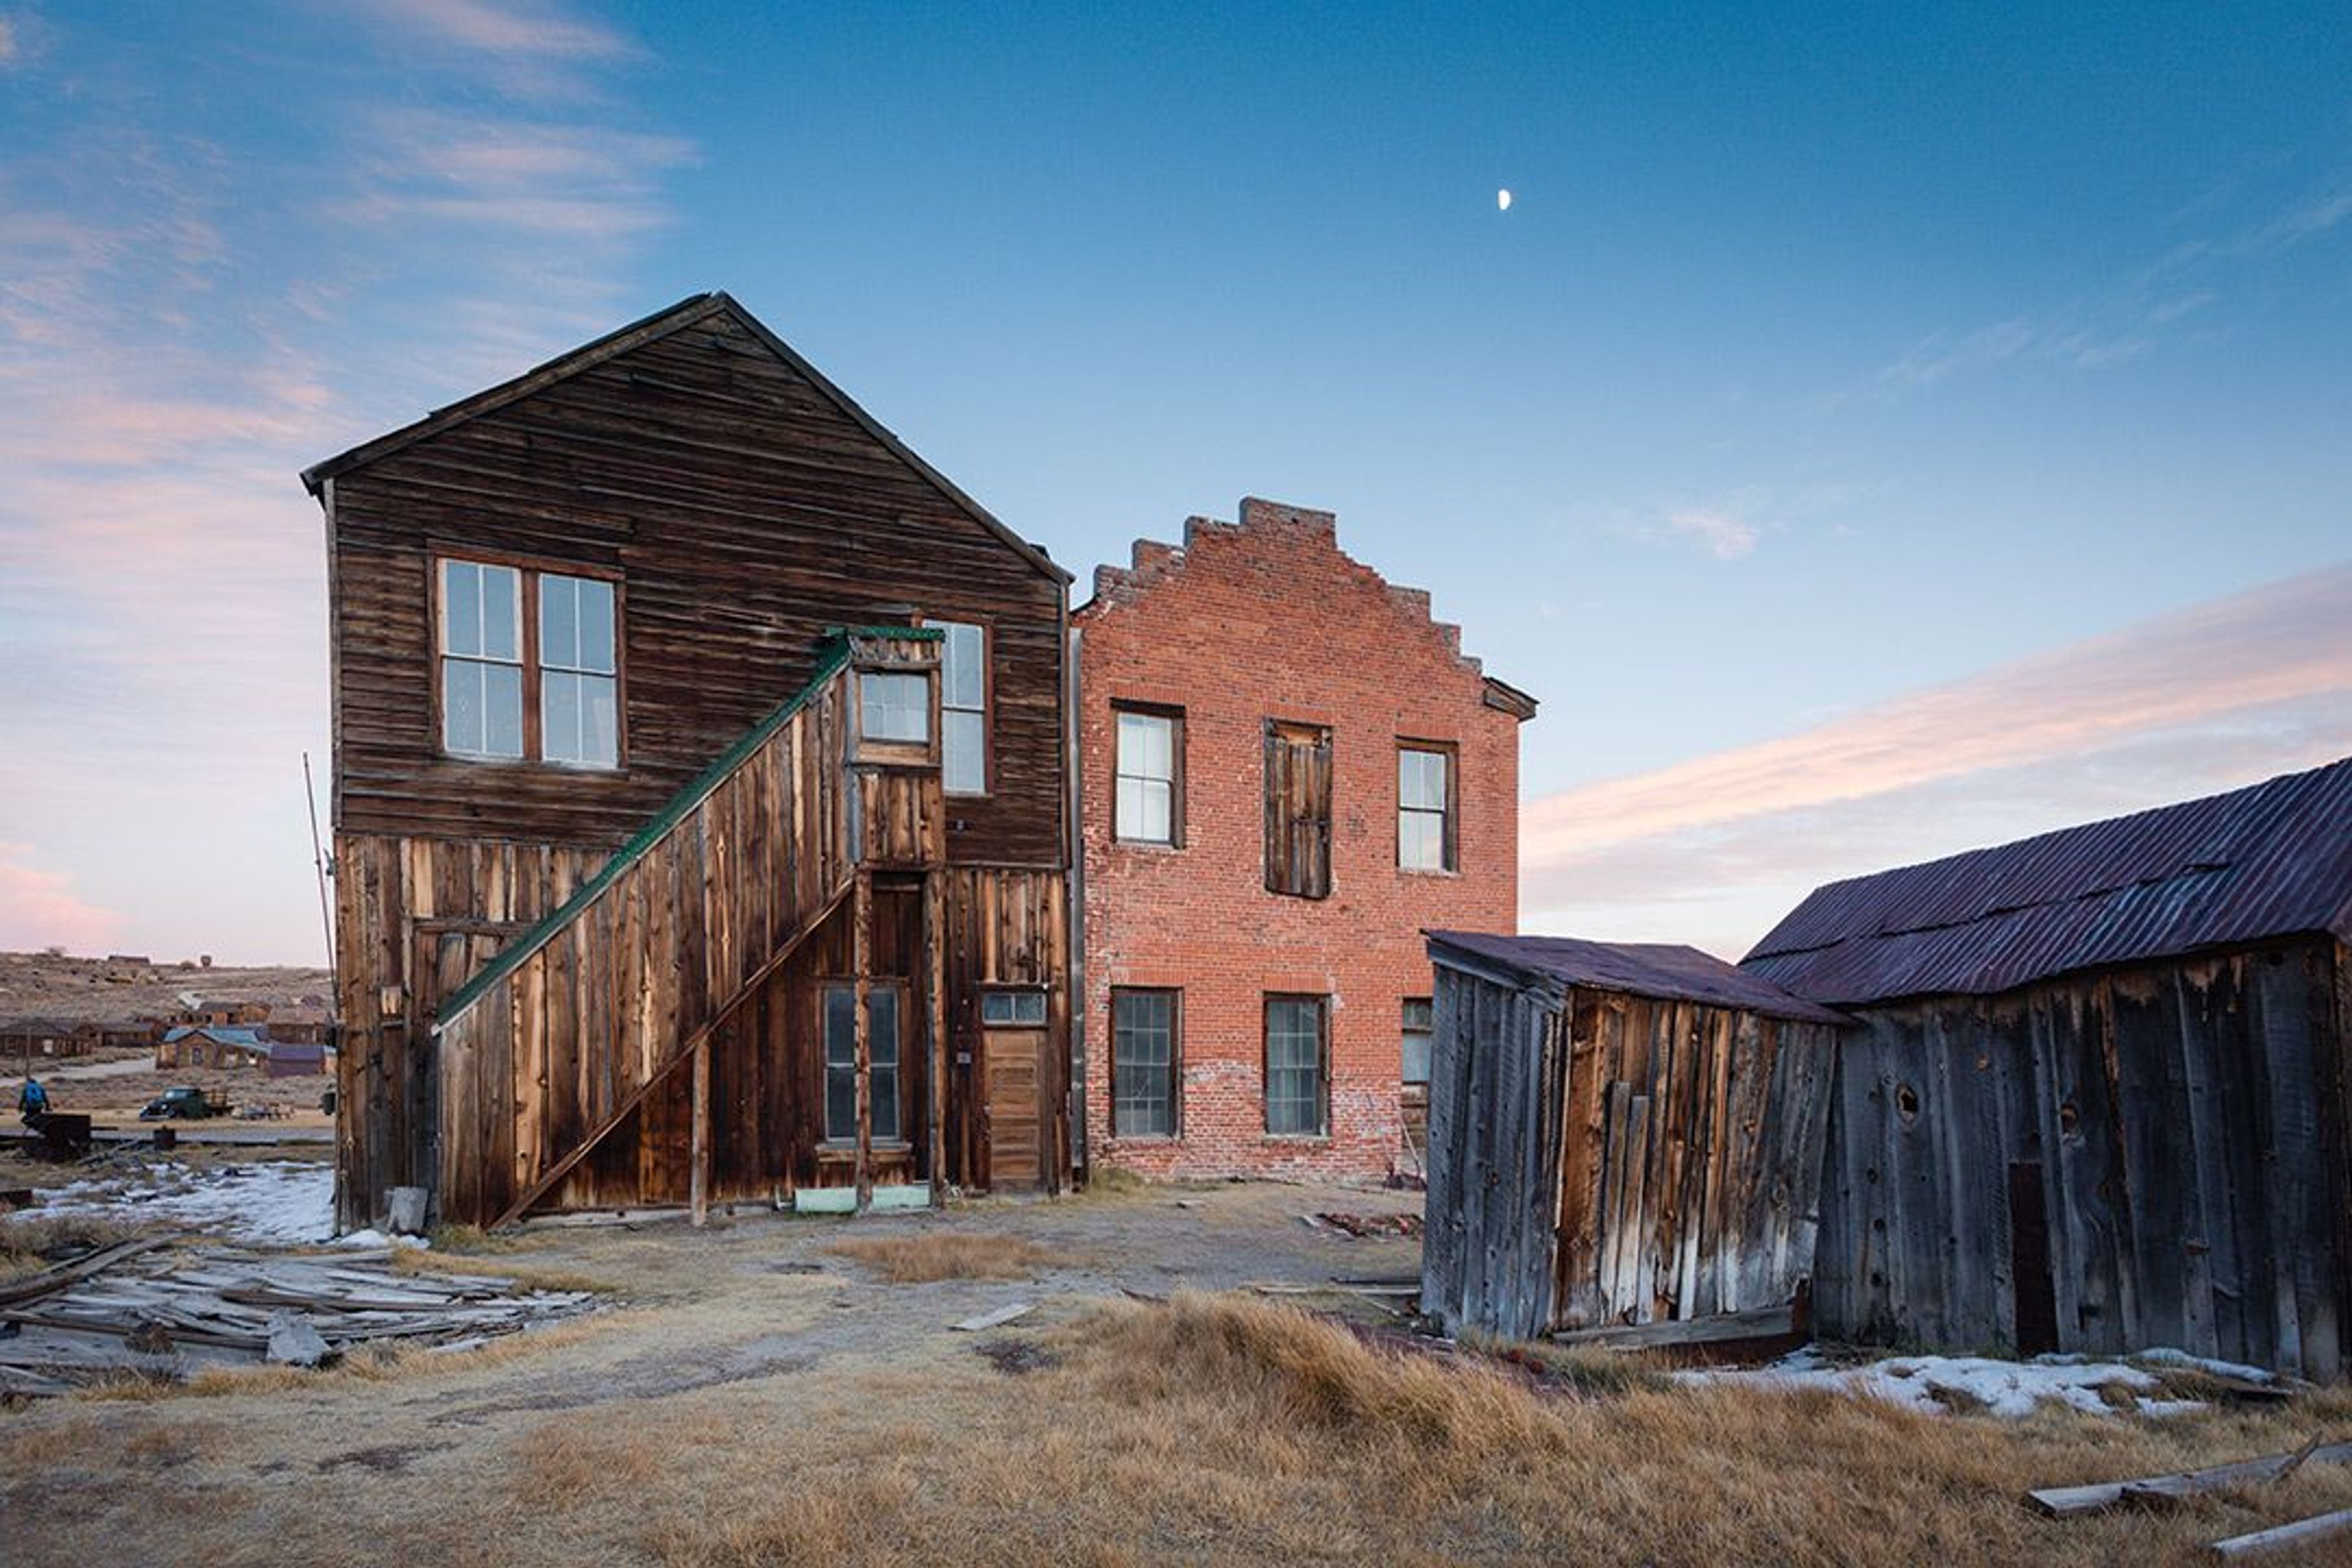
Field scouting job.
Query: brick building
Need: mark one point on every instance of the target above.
(1289, 771)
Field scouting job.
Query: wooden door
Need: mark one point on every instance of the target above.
(1012, 1064)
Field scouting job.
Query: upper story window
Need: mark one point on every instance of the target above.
(1298, 809)
(893, 707)
(1150, 804)
(1425, 837)
(963, 708)
(530, 666)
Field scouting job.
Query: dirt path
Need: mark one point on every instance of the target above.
(750, 1326)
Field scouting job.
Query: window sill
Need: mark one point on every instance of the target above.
(1310, 1138)
(843, 1151)
(1148, 846)
(1440, 875)
(1123, 1139)
(609, 770)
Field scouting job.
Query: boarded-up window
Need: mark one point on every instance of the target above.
(1419, 1026)
(840, 1061)
(1295, 1079)
(1298, 809)
(963, 709)
(1148, 807)
(1425, 808)
(1143, 1063)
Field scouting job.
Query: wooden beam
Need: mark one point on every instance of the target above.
(1757, 1323)
(935, 1012)
(635, 1097)
(2067, 1503)
(698, 1179)
(861, 964)
(2264, 1544)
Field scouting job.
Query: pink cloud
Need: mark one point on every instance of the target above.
(39, 909)
(536, 30)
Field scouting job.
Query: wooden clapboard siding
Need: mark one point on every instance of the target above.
(1600, 1158)
(745, 510)
(2186, 1120)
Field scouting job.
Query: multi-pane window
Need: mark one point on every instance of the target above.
(1143, 1064)
(1298, 809)
(893, 707)
(579, 684)
(1150, 804)
(963, 709)
(840, 1061)
(1012, 1009)
(481, 659)
(1420, 1024)
(1425, 808)
(1294, 1077)
(553, 696)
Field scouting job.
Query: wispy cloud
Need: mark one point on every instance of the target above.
(2228, 691)
(1720, 532)
(515, 29)
(39, 909)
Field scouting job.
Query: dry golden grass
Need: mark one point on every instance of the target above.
(561, 1463)
(943, 1254)
(32, 1242)
(1224, 1428)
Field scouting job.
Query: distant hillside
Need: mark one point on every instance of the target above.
(112, 990)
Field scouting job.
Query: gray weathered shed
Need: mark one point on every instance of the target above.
(2097, 1096)
(1618, 1133)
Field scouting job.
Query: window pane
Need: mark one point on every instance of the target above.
(1143, 1064)
(559, 716)
(841, 1102)
(965, 673)
(600, 723)
(964, 753)
(1029, 1007)
(596, 620)
(558, 623)
(1421, 779)
(882, 1026)
(1416, 1056)
(501, 613)
(895, 706)
(461, 607)
(1147, 746)
(502, 710)
(1421, 841)
(1294, 1066)
(841, 1025)
(886, 1101)
(1420, 1012)
(461, 707)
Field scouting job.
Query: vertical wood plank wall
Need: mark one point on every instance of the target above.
(1600, 1158)
(2187, 1122)
(1004, 926)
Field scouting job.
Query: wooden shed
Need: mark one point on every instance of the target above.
(2097, 1094)
(1617, 1134)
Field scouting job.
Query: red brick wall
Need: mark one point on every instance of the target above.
(1267, 618)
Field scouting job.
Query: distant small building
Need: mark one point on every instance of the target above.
(212, 1046)
(1617, 1134)
(299, 1023)
(295, 1059)
(210, 1010)
(24, 1040)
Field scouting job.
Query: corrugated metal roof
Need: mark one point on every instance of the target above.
(1667, 972)
(2270, 860)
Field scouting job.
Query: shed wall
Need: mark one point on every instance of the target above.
(2170, 1136)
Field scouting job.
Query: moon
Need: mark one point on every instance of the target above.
(1503, 201)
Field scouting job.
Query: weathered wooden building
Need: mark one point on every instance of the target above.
(1617, 1134)
(700, 807)
(2097, 1096)
(212, 1046)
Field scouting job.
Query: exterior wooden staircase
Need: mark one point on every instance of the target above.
(548, 1050)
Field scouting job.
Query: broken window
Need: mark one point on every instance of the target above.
(553, 696)
(1425, 808)
(963, 708)
(841, 1061)
(1297, 1079)
(1298, 809)
(893, 707)
(1420, 1024)
(1148, 807)
(1143, 1063)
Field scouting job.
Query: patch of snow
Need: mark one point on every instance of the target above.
(2165, 1355)
(2168, 1406)
(378, 1238)
(1935, 1384)
(275, 1202)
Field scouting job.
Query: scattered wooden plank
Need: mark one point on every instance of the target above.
(997, 1319)
(2284, 1540)
(64, 1274)
(2070, 1503)
(1724, 1328)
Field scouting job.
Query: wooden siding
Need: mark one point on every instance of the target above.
(1596, 1158)
(744, 513)
(2182, 1125)
(1004, 927)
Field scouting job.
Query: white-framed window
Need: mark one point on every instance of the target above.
(963, 708)
(481, 660)
(893, 706)
(1425, 808)
(1149, 805)
(579, 692)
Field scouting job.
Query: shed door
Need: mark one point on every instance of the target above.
(1012, 1064)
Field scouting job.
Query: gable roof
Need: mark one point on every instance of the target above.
(693, 308)
(241, 1035)
(1663, 971)
(2270, 860)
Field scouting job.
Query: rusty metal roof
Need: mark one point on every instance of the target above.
(1666, 972)
(2270, 860)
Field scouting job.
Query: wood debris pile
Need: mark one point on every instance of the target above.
(144, 1309)
(1362, 1225)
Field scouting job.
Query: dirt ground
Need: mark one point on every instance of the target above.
(758, 1398)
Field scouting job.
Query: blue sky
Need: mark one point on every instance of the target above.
(1869, 432)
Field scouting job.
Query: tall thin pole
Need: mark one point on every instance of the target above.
(318, 861)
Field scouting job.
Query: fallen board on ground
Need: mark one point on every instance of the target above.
(2283, 1539)
(1758, 1323)
(2067, 1503)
